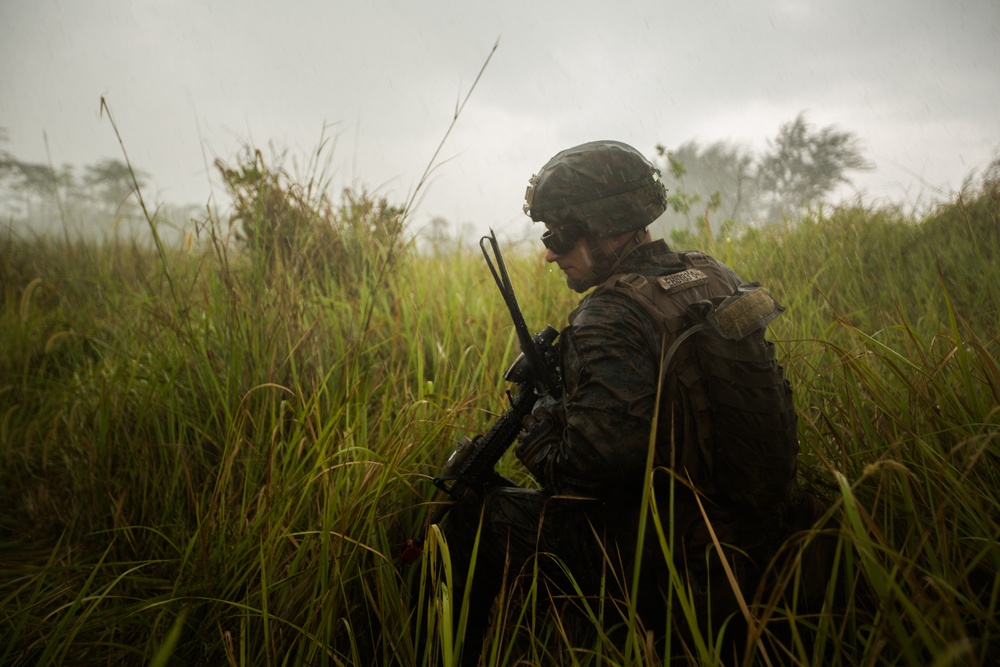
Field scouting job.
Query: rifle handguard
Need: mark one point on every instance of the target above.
(452, 468)
(536, 373)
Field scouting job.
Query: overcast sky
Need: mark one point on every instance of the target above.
(189, 81)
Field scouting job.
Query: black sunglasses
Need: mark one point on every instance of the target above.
(561, 241)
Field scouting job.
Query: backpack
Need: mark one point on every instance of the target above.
(735, 391)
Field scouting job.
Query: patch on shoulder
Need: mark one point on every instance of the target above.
(683, 280)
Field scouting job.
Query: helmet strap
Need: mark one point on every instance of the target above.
(624, 251)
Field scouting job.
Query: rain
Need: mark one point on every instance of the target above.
(380, 82)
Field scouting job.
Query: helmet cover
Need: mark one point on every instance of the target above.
(608, 187)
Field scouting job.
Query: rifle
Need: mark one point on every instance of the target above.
(535, 372)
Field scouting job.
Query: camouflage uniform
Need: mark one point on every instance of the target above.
(588, 453)
(588, 450)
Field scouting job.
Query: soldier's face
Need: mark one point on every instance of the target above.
(576, 262)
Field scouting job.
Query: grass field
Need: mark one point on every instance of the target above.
(211, 454)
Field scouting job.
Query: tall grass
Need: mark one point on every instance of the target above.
(212, 455)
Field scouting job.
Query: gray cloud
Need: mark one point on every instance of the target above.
(916, 80)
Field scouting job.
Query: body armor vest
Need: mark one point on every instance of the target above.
(720, 370)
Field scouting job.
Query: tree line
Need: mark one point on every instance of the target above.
(44, 198)
(709, 185)
(729, 184)
(27, 186)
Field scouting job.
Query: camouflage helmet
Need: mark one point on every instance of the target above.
(608, 187)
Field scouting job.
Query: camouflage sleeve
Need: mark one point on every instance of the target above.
(609, 379)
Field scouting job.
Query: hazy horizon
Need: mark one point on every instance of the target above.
(191, 82)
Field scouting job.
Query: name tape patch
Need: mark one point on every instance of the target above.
(683, 280)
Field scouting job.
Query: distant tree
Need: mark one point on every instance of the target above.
(47, 199)
(111, 183)
(724, 184)
(38, 180)
(718, 179)
(680, 200)
(39, 188)
(5, 157)
(436, 235)
(802, 166)
(33, 182)
(6, 178)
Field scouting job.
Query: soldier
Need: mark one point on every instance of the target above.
(668, 348)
